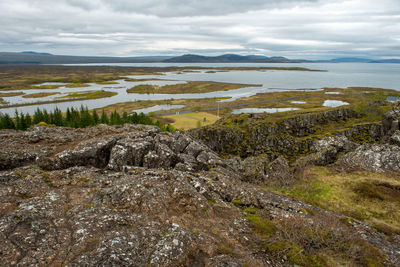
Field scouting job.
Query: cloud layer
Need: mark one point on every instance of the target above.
(293, 28)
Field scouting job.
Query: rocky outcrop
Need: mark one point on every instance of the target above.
(372, 157)
(253, 134)
(263, 170)
(390, 121)
(134, 196)
(327, 150)
(140, 146)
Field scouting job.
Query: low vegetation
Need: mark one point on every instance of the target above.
(192, 120)
(11, 94)
(47, 86)
(186, 88)
(75, 118)
(39, 95)
(321, 240)
(89, 94)
(108, 82)
(76, 85)
(371, 197)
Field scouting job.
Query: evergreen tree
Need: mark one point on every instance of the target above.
(57, 117)
(37, 116)
(68, 117)
(28, 120)
(17, 119)
(116, 118)
(104, 118)
(23, 126)
(46, 117)
(125, 117)
(95, 118)
(6, 122)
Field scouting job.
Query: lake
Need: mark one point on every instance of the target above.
(339, 75)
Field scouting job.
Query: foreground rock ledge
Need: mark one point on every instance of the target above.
(134, 196)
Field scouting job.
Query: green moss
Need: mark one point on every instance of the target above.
(251, 210)
(291, 250)
(84, 179)
(211, 201)
(237, 202)
(261, 225)
(47, 179)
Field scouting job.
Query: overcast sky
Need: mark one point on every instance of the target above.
(308, 29)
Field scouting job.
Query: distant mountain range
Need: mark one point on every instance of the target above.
(30, 57)
(231, 58)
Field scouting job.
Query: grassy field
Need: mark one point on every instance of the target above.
(89, 94)
(46, 86)
(371, 197)
(185, 88)
(108, 82)
(39, 95)
(76, 85)
(11, 94)
(191, 120)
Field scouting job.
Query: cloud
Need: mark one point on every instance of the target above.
(292, 28)
(171, 8)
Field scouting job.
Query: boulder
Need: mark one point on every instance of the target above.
(372, 157)
(328, 149)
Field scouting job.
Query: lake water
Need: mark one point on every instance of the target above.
(337, 75)
(261, 110)
(334, 103)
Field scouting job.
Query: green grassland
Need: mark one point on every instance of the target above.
(10, 94)
(185, 88)
(371, 197)
(89, 94)
(40, 95)
(191, 120)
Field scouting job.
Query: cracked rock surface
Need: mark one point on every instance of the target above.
(135, 196)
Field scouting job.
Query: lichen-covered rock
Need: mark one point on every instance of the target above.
(390, 121)
(254, 134)
(263, 170)
(372, 157)
(395, 138)
(327, 149)
(133, 196)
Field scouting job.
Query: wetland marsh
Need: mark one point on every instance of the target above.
(216, 89)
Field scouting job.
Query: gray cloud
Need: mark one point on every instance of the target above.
(292, 28)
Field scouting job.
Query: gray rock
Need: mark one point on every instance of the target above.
(395, 138)
(327, 149)
(112, 212)
(372, 157)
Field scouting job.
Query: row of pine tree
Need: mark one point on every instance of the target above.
(75, 118)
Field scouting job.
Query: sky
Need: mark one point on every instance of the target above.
(297, 29)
